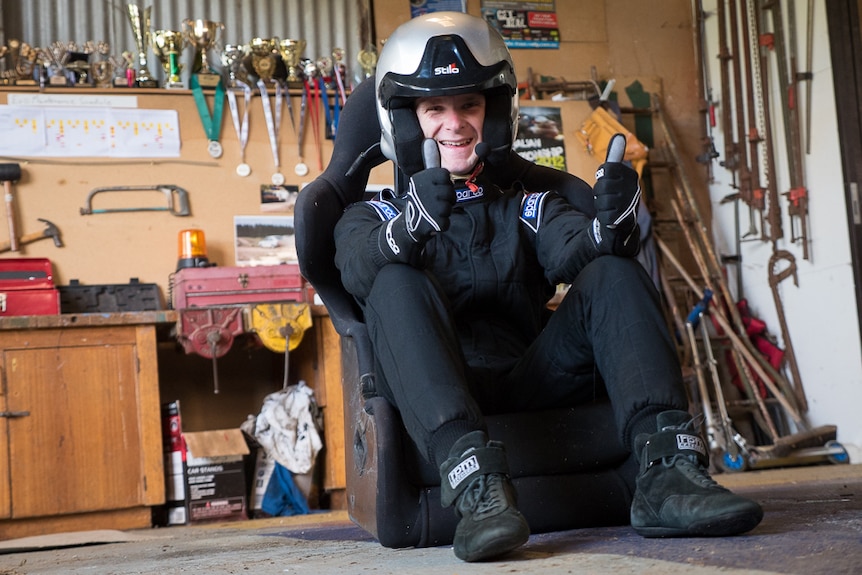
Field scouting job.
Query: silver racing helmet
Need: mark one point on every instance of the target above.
(444, 54)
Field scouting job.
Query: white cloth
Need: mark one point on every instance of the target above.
(286, 429)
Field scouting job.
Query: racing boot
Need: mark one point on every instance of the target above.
(675, 495)
(475, 478)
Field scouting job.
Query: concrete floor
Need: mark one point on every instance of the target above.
(812, 524)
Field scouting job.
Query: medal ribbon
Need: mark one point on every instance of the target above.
(271, 126)
(240, 125)
(326, 108)
(315, 124)
(211, 123)
(303, 109)
(289, 106)
(340, 83)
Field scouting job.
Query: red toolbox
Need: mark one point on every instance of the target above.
(225, 286)
(27, 287)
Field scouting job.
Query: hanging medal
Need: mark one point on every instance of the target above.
(338, 70)
(301, 168)
(314, 98)
(211, 123)
(272, 127)
(240, 125)
(324, 72)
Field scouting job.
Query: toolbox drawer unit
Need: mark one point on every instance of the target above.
(27, 287)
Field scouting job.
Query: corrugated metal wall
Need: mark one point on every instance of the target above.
(323, 24)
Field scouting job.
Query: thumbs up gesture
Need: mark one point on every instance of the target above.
(616, 195)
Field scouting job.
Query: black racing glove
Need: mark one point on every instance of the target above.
(429, 204)
(616, 195)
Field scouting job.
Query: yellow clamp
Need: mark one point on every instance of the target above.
(280, 326)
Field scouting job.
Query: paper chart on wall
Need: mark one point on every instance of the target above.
(78, 132)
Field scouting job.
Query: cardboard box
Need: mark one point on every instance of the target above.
(215, 475)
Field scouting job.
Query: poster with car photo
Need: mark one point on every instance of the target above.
(540, 136)
(278, 198)
(264, 240)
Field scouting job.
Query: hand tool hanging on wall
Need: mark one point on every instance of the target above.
(760, 71)
(797, 195)
(754, 132)
(50, 231)
(707, 104)
(776, 278)
(739, 116)
(730, 158)
(808, 75)
(10, 173)
(178, 200)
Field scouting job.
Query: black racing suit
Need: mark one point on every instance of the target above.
(466, 332)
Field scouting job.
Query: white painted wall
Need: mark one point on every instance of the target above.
(821, 312)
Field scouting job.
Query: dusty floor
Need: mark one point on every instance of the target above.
(812, 525)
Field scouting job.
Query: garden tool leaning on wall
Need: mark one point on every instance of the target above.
(799, 444)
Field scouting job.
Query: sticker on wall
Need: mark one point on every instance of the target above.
(419, 7)
(524, 23)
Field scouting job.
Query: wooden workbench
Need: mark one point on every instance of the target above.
(80, 437)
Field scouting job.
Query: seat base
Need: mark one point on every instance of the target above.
(567, 466)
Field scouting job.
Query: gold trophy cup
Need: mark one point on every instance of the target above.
(263, 57)
(368, 61)
(167, 46)
(140, 21)
(202, 35)
(291, 53)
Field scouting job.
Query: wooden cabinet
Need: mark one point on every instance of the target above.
(80, 436)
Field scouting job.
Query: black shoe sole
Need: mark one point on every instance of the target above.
(494, 548)
(734, 524)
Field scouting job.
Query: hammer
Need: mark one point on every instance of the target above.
(50, 231)
(10, 173)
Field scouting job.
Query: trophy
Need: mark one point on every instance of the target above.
(24, 59)
(291, 54)
(167, 46)
(55, 58)
(79, 62)
(102, 72)
(140, 21)
(263, 57)
(128, 70)
(103, 68)
(232, 57)
(368, 61)
(202, 35)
